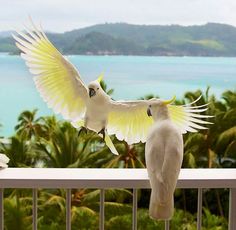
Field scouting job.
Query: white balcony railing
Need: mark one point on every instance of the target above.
(113, 178)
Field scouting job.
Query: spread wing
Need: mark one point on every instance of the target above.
(128, 120)
(56, 79)
(189, 118)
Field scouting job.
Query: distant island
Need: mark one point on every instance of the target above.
(211, 39)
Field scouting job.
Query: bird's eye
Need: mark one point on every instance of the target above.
(97, 88)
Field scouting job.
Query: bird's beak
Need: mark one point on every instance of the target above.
(92, 92)
(149, 113)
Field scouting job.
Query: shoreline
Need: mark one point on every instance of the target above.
(124, 55)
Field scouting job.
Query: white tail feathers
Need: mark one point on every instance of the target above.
(161, 201)
(160, 211)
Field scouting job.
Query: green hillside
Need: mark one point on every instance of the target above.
(212, 39)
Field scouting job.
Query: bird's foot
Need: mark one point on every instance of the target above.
(102, 131)
(82, 129)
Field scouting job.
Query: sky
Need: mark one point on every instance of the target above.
(65, 15)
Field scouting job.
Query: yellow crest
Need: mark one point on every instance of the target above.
(100, 77)
(169, 101)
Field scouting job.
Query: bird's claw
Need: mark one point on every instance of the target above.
(82, 129)
(102, 131)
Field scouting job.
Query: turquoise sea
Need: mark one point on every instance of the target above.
(131, 77)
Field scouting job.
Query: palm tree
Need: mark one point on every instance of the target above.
(130, 156)
(226, 140)
(230, 98)
(18, 213)
(66, 149)
(20, 152)
(226, 147)
(29, 126)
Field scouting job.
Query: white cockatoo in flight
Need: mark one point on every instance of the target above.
(61, 87)
(164, 155)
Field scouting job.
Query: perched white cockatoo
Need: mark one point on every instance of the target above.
(164, 154)
(3, 160)
(61, 87)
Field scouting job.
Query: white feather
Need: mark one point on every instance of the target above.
(3, 161)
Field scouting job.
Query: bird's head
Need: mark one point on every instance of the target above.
(158, 108)
(95, 88)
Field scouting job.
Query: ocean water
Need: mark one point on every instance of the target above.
(131, 77)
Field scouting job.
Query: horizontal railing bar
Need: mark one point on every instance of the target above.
(110, 178)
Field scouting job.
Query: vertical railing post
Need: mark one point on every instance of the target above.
(135, 208)
(1, 208)
(232, 209)
(199, 209)
(167, 224)
(35, 207)
(68, 209)
(101, 214)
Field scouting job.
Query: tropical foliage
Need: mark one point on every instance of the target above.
(49, 142)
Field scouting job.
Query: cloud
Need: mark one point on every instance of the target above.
(61, 15)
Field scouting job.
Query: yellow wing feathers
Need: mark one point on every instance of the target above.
(56, 79)
(189, 118)
(129, 121)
